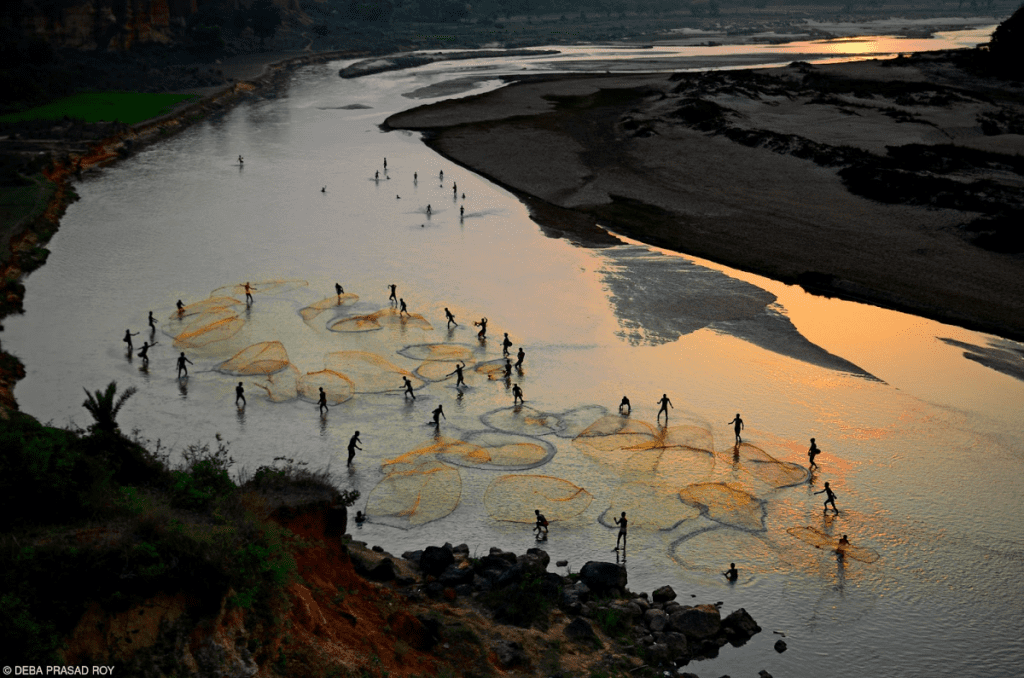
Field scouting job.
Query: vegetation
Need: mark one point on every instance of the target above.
(95, 517)
(126, 107)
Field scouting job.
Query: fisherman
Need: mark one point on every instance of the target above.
(621, 522)
(482, 334)
(181, 364)
(437, 414)
(812, 453)
(625, 403)
(239, 394)
(506, 344)
(732, 574)
(665, 403)
(520, 357)
(459, 379)
(128, 339)
(517, 394)
(323, 401)
(451, 318)
(737, 427)
(353, 446)
(541, 527)
(830, 498)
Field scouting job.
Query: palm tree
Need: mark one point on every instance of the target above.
(104, 408)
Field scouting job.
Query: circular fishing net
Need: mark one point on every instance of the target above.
(387, 317)
(648, 507)
(503, 451)
(369, 372)
(313, 310)
(711, 551)
(406, 499)
(281, 386)
(573, 422)
(451, 353)
(613, 433)
(265, 357)
(492, 369)
(338, 387)
(208, 327)
(522, 419)
(428, 453)
(212, 304)
(819, 539)
(260, 287)
(515, 497)
(726, 504)
(766, 468)
(436, 370)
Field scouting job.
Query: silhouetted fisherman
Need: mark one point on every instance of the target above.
(181, 307)
(462, 211)
(541, 526)
(415, 177)
(323, 401)
(506, 344)
(455, 189)
(830, 498)
(520, 357)
(408, 388)
(737, 427)
(338, 289)
(128, 339)
(248, 293)
(451, 318)
(239, 394)
(240, 160)
(144, 352)
(621, 522)
(508, 368)
(732, 574)
(440, 175)
(812, 453)
(517, 394)
(403, 308)
(152, 322)
(352, 447)
(181, 364)
(428, 209)
(438, 413)
(385, 164)
(376, 176)
(459, 380)
(625, 403)
(482, 334)
(393, 298)
(665, 404)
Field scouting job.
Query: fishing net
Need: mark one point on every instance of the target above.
(451, 353)
(387, 317)
(711, 551)
(428, 491)
(492, 369)
(428, 453)
(573, 422)
(281, 386)
(612, 433)
(313, 310)
(436, 370)
(338, 387)
(819, 539)
(503, 451)
(515, 497)
(522, 419)
(265, 357)
(207, 328)
(369, 372)
(648, 507)
(765, 467)
(726, 504)
(212, 304)
(265, 287)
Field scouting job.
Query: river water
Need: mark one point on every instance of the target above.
(921, 444)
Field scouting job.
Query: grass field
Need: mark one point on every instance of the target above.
(18, 203)
(127, 107)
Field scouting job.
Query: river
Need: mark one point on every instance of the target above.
(921, 445)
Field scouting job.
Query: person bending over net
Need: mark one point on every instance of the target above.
(338, 289)
(437, 414)
(625, 404)
(144, 353)
(403, 308)
(181, 308)
(541, 527)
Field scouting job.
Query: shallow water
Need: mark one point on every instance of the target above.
(921, 444)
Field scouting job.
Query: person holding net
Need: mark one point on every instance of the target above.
(541, 526)
(482, 334)
(665, 404)
(625, 404)
(353, 445)
(520, 357)
(621, 522)
(408, 388)
(459, 379)
(812, 453)
(128, 340)
(506, 344)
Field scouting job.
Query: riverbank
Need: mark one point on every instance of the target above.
(893, 183)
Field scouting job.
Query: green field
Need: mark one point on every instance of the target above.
(127, 107)
(20, 203)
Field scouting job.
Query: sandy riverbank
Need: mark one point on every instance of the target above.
(783, 172)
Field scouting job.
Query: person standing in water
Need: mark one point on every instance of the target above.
(338, 289)
(402, 307)
(240, 160)
(239, 394)
(152, 323)
(737, 427)
(506, 344)
(437, 414)
(352, 447)
(181, 307)
(385, 164)
(517, 395)
(625, 403)
(732, 574)
(408, 388)
(440, 175)
(376, 175)
(520, 357)
(248, 293)
(323, 401)
(482, 334)
(451, 318)
(665, 404)
(459, 380)
(541, 526)
(181, 364)
(428, 209)
(144, 353)
(830, 498)
(128, 339)
(621, 522)
(812, 453)
(393, 298)
(462, 211)
(508, 368)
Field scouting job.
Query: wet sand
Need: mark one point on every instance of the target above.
(747, 174)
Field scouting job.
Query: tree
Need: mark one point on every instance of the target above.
(104, 408)
(265, 18)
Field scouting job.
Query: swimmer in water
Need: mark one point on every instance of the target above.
(812, 453)
(737, 427)
(621, 522)
(239, 394)
(128, 339)
(482, 334)
(181, 364)
(520, 357)
(360, 518)
(393, 298)
(408, 388)
(451, 318)
(732, 574)
(830, 498)
(248, 293)
(625, 403)
(352, 447)
(323, 401)
(459, 379)
(437, 414)
(517, 394)
(665, 404)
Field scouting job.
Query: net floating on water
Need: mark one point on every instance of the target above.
(726, 504)
(387, 317)
(436, 370)
(369, 372)
(765, 467)
(648, 507)
(281, 386)
(405, 499)
(523, 419)
(451, 353)
(213, 304)
(573, 422)
(494, 370)
(515, 497)
(264, 287)
(313, 310)
(265, 357)
(819, 539)
(504, 452)
(208, 327)
(429, 453)
(753, 552)
(338, 387)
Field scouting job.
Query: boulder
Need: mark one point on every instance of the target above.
(664, 594)
(780, 646)
(676, 643)
(603, 577)
(454, 575)
(507, 556)
(510, 654)
(739, 627)
(383, 571)
(656, 620)
(702, 621)
(413, 556)
(436, 560)
(539, 556)
(579, 629)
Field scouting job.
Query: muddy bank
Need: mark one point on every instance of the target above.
(894, 183)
